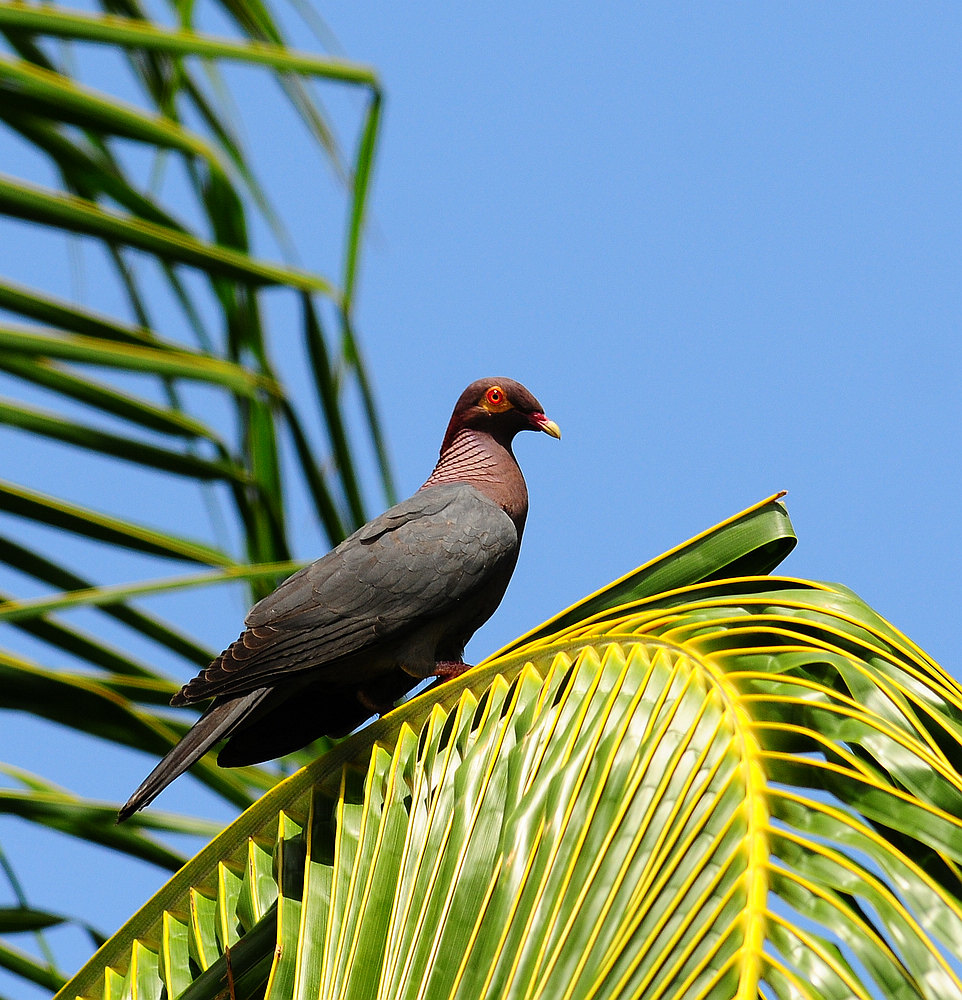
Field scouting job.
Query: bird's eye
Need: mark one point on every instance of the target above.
(495, 395)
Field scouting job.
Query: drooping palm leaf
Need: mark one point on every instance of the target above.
(738, 787)
(165, 367)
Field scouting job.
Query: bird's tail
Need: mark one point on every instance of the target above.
(214, 725)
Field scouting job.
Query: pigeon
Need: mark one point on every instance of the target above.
(395, 603)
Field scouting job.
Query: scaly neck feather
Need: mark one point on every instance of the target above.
(488, 465)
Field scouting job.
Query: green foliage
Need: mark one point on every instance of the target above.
(163, 364)
(702, 781)
(739, 786)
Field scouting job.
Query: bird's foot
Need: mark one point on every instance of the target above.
(444, 670)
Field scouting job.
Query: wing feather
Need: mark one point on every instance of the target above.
(416, 562)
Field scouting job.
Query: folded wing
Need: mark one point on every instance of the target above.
(425, 558)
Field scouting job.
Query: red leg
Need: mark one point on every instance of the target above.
(446, 669)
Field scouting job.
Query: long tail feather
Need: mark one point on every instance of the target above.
(214, 725)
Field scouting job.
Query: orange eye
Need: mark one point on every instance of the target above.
(495, 395)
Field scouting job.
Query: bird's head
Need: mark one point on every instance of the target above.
(500, 407)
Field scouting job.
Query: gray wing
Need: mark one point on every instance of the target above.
(416, 562)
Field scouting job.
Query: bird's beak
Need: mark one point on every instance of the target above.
(541, 423)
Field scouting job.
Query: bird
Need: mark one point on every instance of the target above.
(393, 604)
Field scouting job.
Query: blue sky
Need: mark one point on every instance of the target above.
(721, 243)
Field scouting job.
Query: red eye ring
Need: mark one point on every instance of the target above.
(495, 395)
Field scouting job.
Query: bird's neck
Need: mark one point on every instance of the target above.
(489, 466)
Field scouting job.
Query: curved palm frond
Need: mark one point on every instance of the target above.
(740, 786)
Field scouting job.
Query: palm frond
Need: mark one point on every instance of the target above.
(138, 345)
(737, 787)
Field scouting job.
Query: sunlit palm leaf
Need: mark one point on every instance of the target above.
(739, 787)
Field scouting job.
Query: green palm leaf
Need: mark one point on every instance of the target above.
(738, 786)
(161, 372)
